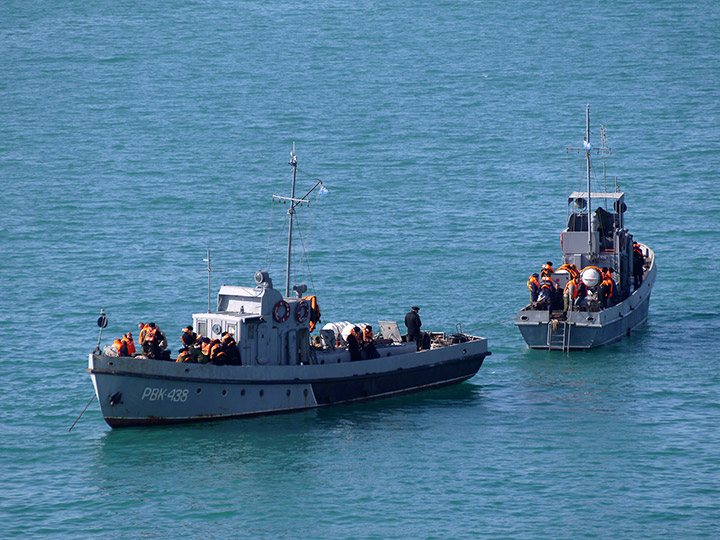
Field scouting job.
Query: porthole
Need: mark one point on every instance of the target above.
(262, 393)
(224, 392)
(242, 392)
(199, 390)
(216, 328)
(464, 351)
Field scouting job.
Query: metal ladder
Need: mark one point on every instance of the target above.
(558, 340)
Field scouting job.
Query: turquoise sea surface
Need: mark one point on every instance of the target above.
(135, 135)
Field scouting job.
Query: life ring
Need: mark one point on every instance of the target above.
(302, 311)
(283, 306)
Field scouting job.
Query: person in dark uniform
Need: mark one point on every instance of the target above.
(353, 342)
(413, 323)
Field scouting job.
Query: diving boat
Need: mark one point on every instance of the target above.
(593, 241)
(281, 370)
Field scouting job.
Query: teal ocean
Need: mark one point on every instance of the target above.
(135, 135)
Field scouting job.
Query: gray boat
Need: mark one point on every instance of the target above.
(281, 370)
(592, 241)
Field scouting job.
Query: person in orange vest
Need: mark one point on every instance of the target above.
(157, 343)
(569, 293)
(638, 263)
(547, 269)
(608, 292)
(218, 355)
(128, 340)
(144, 348)
(534, 285)
(368, 343)
(206, 345)
(196, 352)
(231, 350)
(188, 337)
(546, 292)
(121, 347)
(580, 293)
(354, 339)
(184, 355)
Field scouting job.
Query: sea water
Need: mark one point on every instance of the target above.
(134, 136)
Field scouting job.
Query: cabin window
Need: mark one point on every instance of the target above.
(202, 327)
(231, 329)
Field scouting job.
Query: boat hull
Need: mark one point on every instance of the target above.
(586, 330)
(139, 391)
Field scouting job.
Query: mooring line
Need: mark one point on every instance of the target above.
(85, 409)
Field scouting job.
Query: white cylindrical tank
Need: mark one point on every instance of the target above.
(590, 277)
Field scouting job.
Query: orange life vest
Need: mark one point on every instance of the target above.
(216, 350)
(611, 287)
(143, 333)
(184, 356)
(547, 284)
(357, 336)
(367, 335)
(151, 335)
(206, 348)
(533, 280)
(314, 311)
(580, 287)
(571, 268)
(130, 345)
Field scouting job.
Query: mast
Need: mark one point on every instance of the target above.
(209, 270)
(291, 211)
(588, 146)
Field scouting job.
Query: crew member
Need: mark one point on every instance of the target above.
(157, 343)
(144, 346)
(128, 340)
(121, 347)
(546, 292)
(569, 294)
(580, 293)
(413, 324)
(353, 341)
(188, 337)
(608, 291)
(534, 285)
(218, 355)
(638, 263)
(368, 344)
(184, 355)
(196, 353)
(547, 269)
(231, 350)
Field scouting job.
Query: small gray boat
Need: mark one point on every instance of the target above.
(593, 241)
(281, 370)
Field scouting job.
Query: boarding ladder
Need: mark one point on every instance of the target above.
(558, 335)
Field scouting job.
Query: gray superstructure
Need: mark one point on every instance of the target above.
(591, 241)
(280, 372)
